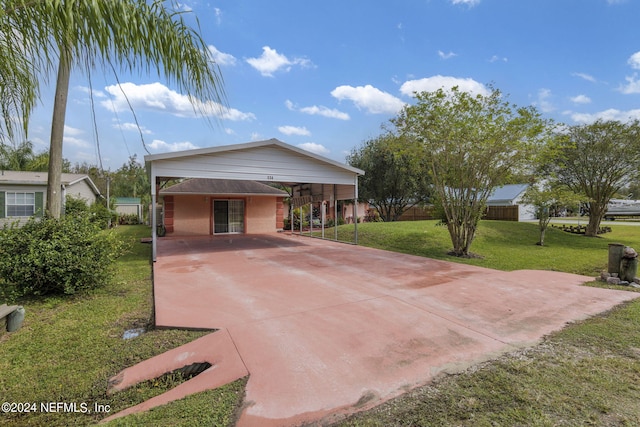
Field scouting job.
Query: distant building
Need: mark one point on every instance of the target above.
(129, 206)
(24, 194)
(510, 195)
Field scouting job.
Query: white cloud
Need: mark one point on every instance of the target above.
(632, 86)
(271, 61)
(634, 61)
(73, 136)
(496, 58)
(132, 127)
(255, 136)
(218, 13)
(449, 55)
(68, 130)
(76, 142)
(610, 114)
(162, 146)
(469, 3)
(580, 99)
(314, 148)
(221, 58)
(184, 7)
(293, 130)
(543, 101)
(584, 76)
(432, 84)
(369, 98)
(158, 97)
(96, 93)
(318, 110)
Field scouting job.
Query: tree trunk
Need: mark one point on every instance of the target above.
(542, 231)
(54, 187)
(596, 213)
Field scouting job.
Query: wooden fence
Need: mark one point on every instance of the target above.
(502, 213)
(417, 213)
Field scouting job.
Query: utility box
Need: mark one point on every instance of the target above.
(615, 256)
(15, 319)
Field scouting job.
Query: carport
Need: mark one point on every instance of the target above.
(312, 178)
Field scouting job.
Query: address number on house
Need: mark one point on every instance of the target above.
(269, 177)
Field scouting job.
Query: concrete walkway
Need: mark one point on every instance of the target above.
(326, 329)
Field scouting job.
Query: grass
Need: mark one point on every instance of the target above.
(501, 245)
(586, 374)
(68, 348)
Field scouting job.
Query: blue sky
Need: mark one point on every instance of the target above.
(325, 76)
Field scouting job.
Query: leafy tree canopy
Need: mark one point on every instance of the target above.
(598, 160)
(395, 175)
(472, 143)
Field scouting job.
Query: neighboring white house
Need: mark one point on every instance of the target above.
(511, 195)
(24, 194)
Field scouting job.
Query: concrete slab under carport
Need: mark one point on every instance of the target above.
(325, 329)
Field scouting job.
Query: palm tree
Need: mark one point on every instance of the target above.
(16, 157)
(132, 34)
(18, 84)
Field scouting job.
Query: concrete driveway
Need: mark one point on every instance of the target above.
(326, 329)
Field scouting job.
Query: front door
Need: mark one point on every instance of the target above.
(228, 216)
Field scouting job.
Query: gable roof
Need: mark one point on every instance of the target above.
(507, 193)
(248, 145)
(223, 187)
(41, 178)
(270, 160)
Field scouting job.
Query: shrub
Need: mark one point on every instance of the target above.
(75, 206)
(100, 215)
(55, 256)
(128, 219)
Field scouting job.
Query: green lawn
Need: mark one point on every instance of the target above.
(68, 348)
(587, 374)
(502, 245)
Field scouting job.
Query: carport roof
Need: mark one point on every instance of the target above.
(269, 160)
(223, 186)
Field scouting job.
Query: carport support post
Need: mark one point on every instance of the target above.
(335, 214)
(355, 210)
(154, 235)
(323, 207)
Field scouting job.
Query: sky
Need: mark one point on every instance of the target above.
(327, 76)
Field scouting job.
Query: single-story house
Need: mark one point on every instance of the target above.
(250, 205)
(129, 206)
(511, 195)
(201, 206)
(24, 194)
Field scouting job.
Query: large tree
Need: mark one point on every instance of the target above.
(598, 160)
(132, 34)
(395, 176)
(472, 143)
